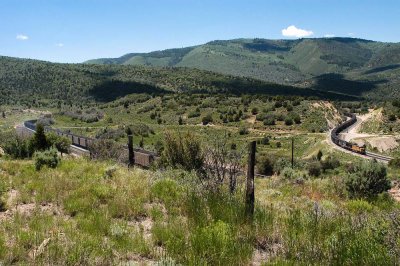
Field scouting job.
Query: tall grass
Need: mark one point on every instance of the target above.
(94, 217)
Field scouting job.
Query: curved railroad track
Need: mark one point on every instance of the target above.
(352, 146)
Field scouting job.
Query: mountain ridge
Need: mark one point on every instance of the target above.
(287, 62)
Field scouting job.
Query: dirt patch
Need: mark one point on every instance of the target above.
(316, 105)
(251, 120)
(395, 191)
(26, 209)
(383, 143)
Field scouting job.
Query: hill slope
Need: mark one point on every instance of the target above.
(301, 62)
(29, 81)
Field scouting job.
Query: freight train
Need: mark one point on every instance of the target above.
(142, 157)
(345, 144)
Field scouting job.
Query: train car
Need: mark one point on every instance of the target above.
(143, 158)
(82, 142)
(345, 144)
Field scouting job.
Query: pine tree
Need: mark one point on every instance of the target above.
(39, 139)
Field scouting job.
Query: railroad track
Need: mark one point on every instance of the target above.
(354, 148)
(378, 156)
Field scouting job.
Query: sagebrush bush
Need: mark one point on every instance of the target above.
(395, 163)
(183, 151)
(265, 166)
(47, 158)
(314, 169)
(368, 180)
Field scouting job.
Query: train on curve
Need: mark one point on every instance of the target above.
(142, 157)
(345, 144)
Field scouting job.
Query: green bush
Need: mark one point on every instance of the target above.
(269, 120)
(265, 141)
(183, 151)
(288, 121)
(329, 163)
(368, 180)
(280, 164)
(395, 163)
(314, 169)
(207, 119)
(289, 173)
(47, 158)
(265, 166)
(19, 148)
(243, 131)
(62, 144)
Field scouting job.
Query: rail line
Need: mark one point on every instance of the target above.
(81, 145)
(352, 146)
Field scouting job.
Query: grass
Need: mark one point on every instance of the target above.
(92, 215)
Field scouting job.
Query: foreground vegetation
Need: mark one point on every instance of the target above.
(87, 212)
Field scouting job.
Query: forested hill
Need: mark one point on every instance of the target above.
(347, 65)
(28, 81)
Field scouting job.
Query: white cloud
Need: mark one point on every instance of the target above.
(293, 31)
(329, 35)
(351, 34)
(22, 37)
(60, 44)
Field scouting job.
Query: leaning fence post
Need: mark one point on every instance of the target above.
(250, 180)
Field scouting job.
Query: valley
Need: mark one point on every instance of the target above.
(60, 206)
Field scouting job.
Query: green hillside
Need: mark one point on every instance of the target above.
(351, 63)
(25, 81)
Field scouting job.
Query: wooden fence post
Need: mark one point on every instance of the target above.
(250, 180)
(292, 152)
(131, 155)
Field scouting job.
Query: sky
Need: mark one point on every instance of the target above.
(73, 31)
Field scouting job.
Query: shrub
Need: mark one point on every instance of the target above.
(183, 151)
(288, 173)
(19, 148)
(207, 119)
(62, 144)
(395, 163)
(296, 118)
(47, 158)
(104, 149)
(330, 163)
(265, 141)
(269, 120)
(368, 180)
(392, 117)
(194, 114)
(243, 131)
(254, 111)
(319, 155)
(280, 164)
(314, 169)
(265, 166)
(288, 121)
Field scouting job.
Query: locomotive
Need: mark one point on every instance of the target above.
(345, 144)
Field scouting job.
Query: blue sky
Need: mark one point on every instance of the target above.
(77, 30)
